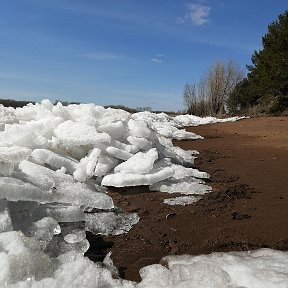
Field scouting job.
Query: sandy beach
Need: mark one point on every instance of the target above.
(248, 164)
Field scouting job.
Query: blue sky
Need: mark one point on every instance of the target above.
(129, 52)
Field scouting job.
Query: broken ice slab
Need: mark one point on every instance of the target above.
(55, 160)
(81, 194)
(185, 186)
(60, 212)
(15, 190)
(140, 163)
(74, 193)
(183, 172)
(129, 179)
(38, 172)
(110, 223)
(182, 200)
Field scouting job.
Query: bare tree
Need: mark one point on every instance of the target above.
(222, 79)
(189, 97)
(213, 90)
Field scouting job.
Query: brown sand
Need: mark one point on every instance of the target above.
(248, 164)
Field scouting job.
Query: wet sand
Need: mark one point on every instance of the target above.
(248, 164)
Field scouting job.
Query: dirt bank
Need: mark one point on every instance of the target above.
(248, 164)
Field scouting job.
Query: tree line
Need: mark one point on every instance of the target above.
(225, 88)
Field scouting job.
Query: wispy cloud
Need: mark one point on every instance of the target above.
(196, 13)
(102, 56)
(159, 58)
(156, 60)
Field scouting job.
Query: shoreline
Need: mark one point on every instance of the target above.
(247, 209)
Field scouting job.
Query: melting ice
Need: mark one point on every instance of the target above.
(55, 162)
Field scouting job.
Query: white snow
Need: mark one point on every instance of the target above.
(52, 161)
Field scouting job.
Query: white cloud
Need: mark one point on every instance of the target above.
(196, 13)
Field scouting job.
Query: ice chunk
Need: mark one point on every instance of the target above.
(43, 230)
(76, 271)
(182, 134)
(81, 194)
(191, 120)
(129, 179)
(184, 186)
(7, 115)
(63, 242)
(21, 258)
(6, 168)
(47, 104)
(118, 153)
(43, 174)
(183, 172)
(61, 111)
(26, 135)
(111, 115)
(57, 161)
(105, 164)
(117, 130)
(60, 212)
(15, 189)
(140, 163)
(126, 147)
(5, 218)
(140, 143)
(165, 146)
(182, 200)
(92, 160)
(71, 132)
(75, 237)
(20, 213)
(87, 165)
(80, 173)
(138, 128)
(14, 154)
(110, 223)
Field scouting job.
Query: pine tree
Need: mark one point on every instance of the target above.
(267, 79)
